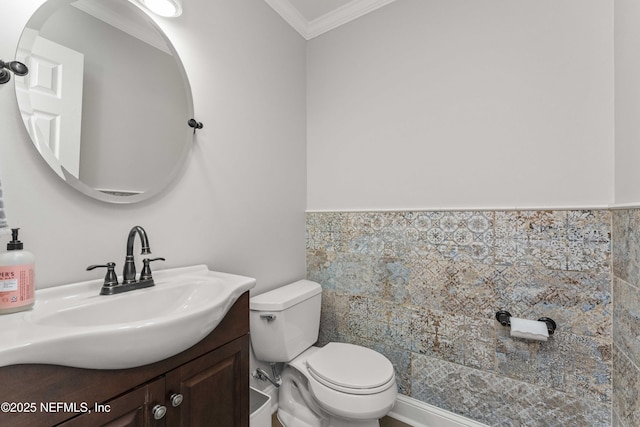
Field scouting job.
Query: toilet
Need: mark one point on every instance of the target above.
(337, 385)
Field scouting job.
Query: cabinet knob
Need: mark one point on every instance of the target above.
(159, 412)
(176, 399)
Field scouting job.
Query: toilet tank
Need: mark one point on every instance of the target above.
(285, 322)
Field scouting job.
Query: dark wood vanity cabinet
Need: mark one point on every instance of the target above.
(132, 409)
(208, 384)
(210, 389)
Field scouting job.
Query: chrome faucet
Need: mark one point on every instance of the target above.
(129, 271)
(129, 282)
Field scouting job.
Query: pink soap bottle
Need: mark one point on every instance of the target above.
(17, 277)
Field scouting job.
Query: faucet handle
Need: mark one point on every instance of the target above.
(111, 279)
(146, 270)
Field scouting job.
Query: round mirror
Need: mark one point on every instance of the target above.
(106, 100)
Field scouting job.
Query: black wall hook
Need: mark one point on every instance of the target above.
(195, 125)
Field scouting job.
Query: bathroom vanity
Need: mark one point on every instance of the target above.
(205, 385)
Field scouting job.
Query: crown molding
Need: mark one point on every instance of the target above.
(310, 29)
(290, 14)
(347, 13)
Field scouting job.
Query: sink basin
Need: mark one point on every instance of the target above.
(73, 325)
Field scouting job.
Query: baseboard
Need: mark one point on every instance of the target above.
(408, 410)
(420, 414)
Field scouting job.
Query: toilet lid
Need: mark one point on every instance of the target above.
(350, 366)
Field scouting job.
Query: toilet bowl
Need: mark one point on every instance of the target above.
(317, 391)
(337, 385)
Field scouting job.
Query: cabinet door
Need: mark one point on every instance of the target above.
(133, 409)
(214, 388)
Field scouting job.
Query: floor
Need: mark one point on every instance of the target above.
(385, 422)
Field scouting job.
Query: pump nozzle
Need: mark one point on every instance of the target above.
(14, 244)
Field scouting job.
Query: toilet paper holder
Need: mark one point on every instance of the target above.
(504, 317)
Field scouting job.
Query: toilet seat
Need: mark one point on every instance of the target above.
(345, 401)
(351, 369)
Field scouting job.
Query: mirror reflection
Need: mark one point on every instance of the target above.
(107, 101)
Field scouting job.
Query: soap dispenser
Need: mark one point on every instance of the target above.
(17, 277)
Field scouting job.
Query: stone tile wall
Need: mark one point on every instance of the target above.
(423, 288)
(626, 317)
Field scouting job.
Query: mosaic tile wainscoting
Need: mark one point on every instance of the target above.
(423, 288)
(626, 317)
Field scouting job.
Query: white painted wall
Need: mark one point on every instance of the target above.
(463, 104)
(627, 102)
(239, 204)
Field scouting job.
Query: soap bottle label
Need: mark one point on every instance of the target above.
(8, 282)
(16, 286)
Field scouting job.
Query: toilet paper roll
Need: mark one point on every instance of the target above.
(529, 329)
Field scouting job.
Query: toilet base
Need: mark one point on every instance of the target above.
(297, 408)
(290, 420)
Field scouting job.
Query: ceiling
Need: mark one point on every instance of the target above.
(314, 17)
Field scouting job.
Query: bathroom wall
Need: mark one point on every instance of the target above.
(460, 161)
(243, 186)
(422, 287)
(431, 104)
(626, 222)
(627, 101)
(626, 317)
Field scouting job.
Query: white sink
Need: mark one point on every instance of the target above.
(73, 325)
